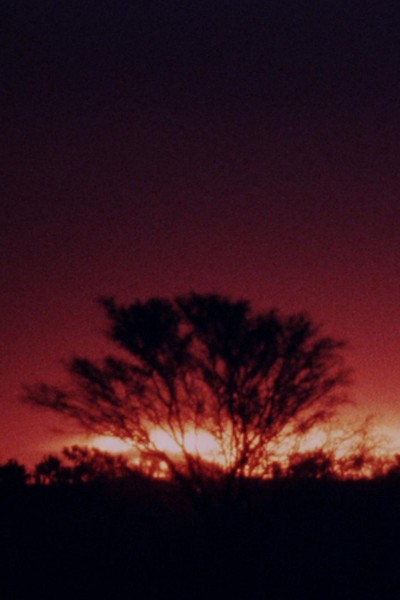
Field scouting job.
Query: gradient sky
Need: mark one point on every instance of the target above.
(157, 147)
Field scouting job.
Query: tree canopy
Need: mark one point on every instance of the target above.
(202, 363)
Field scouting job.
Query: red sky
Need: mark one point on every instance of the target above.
(247, 148)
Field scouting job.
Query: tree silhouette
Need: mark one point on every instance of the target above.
(13, 475)
(202, 363)
(50, 471)
(79, 464)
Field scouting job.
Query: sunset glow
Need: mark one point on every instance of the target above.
(284, 192)
(109, 443)
(385, 444)
(379, 447)
(198, 442)
(199, 300)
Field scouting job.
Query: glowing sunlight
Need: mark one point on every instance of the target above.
(194, 441)
(109, 443)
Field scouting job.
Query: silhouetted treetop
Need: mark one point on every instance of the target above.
(202, 363)
(13, 475)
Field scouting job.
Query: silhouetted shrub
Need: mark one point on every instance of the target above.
(79, 464)
(13, 475)
(310, 465)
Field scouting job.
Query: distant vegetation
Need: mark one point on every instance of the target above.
(79, 465)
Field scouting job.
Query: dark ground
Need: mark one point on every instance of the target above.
(139, 540)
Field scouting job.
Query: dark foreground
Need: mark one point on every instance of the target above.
(135, 540)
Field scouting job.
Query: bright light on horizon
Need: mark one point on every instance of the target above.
(383, 443)
(109, 443)
(199, 442)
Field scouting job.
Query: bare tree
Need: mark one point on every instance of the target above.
(202, 363)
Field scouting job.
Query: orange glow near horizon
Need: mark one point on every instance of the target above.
(198, 442)
(385, 444)
(204, 444)
(109, 443)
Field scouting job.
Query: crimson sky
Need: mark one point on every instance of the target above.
(157, 147)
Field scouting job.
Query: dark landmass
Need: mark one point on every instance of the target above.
(141, 539)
